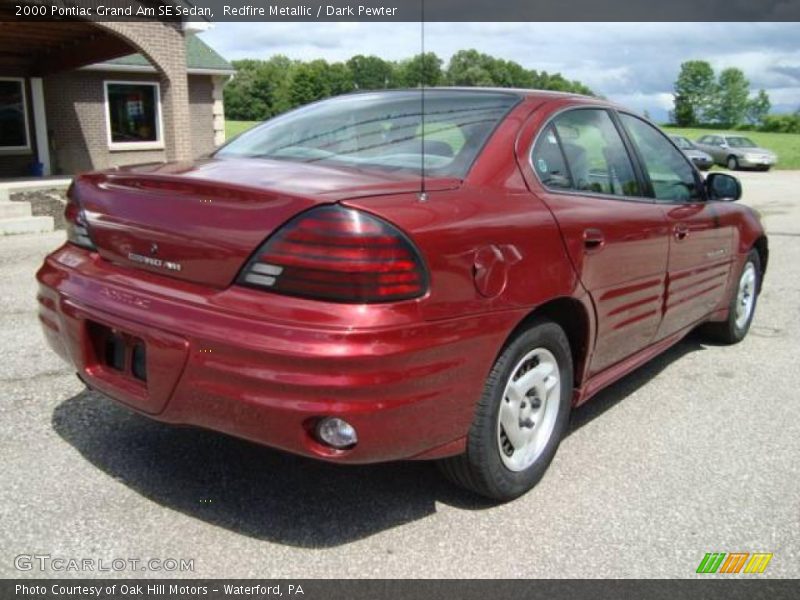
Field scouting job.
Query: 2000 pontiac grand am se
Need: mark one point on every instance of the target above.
(298, 289)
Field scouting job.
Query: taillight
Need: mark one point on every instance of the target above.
(340, 254)
(77, 229)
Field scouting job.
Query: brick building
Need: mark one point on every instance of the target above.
(78, 95)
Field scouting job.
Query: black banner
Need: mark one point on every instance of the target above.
(403, 10)
(733, 588)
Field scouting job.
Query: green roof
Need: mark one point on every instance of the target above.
(199, 55)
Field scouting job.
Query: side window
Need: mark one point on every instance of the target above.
(706, 139)
(595, 153)
(672, 176)
(548, 161)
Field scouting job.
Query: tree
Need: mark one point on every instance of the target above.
(695, 90)
(370, 72)
(302, 90)
(758, 108)
(558, 83)
(262, 89)
(339, 79)
(423, 69)
(249, 96)
(470, 68)
(730, 107)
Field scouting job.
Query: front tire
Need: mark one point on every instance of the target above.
(742, 305)
(733, 163)
(520, 418)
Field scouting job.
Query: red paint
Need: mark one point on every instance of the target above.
(407, 374)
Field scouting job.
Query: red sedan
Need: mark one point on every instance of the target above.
(357, 283)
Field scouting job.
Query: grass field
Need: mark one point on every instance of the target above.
(785, 145)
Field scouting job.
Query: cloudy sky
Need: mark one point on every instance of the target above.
(632, 63)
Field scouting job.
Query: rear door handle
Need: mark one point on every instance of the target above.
(593, 240)
(681, 232)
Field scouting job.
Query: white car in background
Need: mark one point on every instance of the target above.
(736, 152)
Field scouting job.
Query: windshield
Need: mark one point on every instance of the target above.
(382, 130)
(740, 142)
(682, 143)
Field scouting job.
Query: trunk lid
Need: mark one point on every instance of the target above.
(200, 222)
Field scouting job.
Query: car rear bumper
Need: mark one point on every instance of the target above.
(756, 163)
(408, 388)
(703, 163)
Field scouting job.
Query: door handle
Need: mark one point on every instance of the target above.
(593, 240)
(681, 232)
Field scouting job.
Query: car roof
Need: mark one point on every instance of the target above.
(528, 93)
(522, 92)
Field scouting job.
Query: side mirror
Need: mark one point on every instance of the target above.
(724, 145)
(721, 186)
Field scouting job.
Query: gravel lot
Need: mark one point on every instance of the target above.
(696, 452)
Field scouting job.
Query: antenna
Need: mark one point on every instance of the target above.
(423, 196)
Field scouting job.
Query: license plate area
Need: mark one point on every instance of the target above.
(119, 351)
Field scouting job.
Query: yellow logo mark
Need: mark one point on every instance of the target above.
(758, 562)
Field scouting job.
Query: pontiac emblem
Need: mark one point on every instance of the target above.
(153, 261)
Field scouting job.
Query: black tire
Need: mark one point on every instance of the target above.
(727, 331)
(481, 468)
(732, 163)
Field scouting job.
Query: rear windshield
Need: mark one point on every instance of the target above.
(682, 142)
(382, 130)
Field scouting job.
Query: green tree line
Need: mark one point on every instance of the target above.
(264, 88)
(703, 98)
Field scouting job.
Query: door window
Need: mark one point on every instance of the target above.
(671, 175)
(548, 161)
(597, 158)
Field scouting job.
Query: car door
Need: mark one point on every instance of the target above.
(701, 245)
(705, 144)
(719, 149)
(616, 238)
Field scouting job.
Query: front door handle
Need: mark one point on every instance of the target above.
(681, 232)
(593, 240)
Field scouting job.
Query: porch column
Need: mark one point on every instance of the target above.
(218, 108)
(40, 124)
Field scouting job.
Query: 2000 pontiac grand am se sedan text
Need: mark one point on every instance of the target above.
(299, 289)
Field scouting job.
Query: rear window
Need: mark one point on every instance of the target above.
(382, 130)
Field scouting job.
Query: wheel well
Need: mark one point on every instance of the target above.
(571, 316)
(763, 254)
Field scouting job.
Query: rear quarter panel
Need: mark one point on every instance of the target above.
(490, 245)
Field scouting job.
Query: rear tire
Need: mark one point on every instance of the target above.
(520, 418)
(742, 304)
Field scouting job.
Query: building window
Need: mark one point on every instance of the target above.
(133, 110)
(13, 115)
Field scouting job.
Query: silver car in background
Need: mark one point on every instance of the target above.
(702, 160)
(736, 152)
